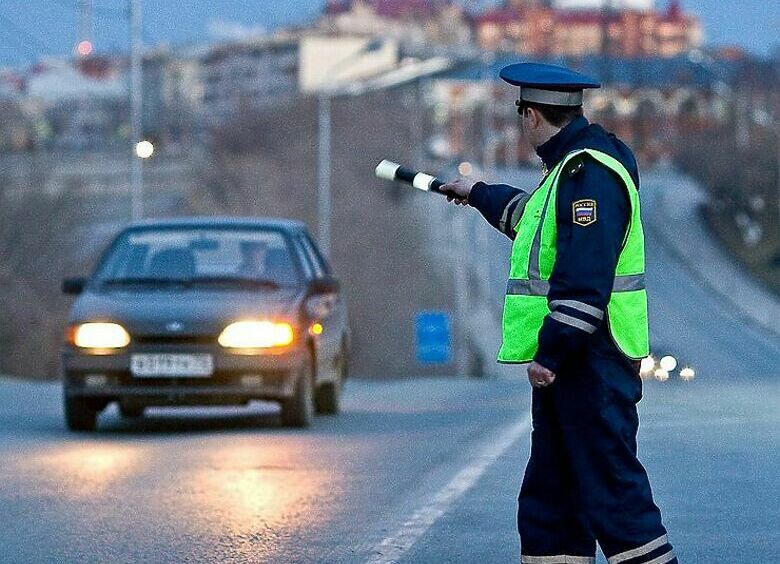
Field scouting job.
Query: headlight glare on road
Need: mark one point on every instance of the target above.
(256, 335)
(661, 375)
(687, 374)
(647, 366)
(100, 336)
(668, 363)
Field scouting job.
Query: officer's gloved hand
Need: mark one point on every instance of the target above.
(458, 191)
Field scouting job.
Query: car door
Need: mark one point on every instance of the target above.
(328, 344)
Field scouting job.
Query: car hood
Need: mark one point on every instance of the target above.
(184, 312)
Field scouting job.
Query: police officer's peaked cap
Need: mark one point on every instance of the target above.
(548, 84)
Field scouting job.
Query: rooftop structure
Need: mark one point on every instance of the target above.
(631, 28)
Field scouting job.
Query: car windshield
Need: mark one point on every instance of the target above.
(203, 256)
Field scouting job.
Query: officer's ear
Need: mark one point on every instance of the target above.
(533, 116)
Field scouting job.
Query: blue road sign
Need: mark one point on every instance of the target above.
(433, 337)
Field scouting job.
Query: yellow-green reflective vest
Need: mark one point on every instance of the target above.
(533, 258)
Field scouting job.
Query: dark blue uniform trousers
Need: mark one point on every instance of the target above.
(583, 482)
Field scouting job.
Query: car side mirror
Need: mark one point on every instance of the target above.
(74, 286)
(324, 285)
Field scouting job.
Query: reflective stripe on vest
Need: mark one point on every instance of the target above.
(533, 258)
(627, 283)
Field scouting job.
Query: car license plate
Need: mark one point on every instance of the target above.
(171, 365)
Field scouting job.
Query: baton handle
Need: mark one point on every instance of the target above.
(394, 172)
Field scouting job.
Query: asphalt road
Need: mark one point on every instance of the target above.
(422, 470)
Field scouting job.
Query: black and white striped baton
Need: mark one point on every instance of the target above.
(394, 172)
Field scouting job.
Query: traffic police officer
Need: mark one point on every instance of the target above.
(576, 308)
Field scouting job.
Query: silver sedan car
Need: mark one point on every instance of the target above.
(206, 311)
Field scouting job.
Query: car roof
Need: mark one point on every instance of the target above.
(290, 225)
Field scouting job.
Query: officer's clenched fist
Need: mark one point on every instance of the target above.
(539, 376)
(458, 191)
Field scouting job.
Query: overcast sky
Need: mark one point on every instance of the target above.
(31, 28)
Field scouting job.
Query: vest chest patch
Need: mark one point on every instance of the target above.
(584, 212)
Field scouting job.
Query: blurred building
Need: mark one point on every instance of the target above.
(638, 5)
(11, 84)
(647, 102)
(327, 61)
(247, 76)
(622, 28)
(414, 23)
(18, 121)
(83, 103)
(54, 80)
(172, 94)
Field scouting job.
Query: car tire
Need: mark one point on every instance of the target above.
(80, 414)
(131, 411)
(298, 411)
(328, 399)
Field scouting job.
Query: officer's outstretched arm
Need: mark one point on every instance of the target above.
(592, 217)
(500, 204)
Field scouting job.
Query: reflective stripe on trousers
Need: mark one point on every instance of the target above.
(645, 551)
(558, 559)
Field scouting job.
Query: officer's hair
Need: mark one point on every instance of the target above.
(557, 116)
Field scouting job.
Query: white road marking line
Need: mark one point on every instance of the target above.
(397, 544)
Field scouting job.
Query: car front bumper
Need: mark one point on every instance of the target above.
(236, 379)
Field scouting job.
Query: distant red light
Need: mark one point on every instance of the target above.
(84, 48)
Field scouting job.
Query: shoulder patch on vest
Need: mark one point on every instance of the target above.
(584, 212)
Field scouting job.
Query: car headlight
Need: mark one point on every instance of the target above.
(100, 336)
(256, 335)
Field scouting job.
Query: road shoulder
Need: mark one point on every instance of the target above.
(672, 212)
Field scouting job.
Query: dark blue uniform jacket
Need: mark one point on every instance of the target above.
(587, 255)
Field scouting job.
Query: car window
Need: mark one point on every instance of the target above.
(201, 254)
(304, 258)
(320, 267)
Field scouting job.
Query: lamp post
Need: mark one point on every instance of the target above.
(136, 106)
(324, 196)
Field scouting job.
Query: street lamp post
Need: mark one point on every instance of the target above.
(324, 155)
(324, 123)
(136, 106)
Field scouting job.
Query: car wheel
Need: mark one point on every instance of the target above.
(298, 410)
(328, 398)
(80, 414)
(131, 411)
